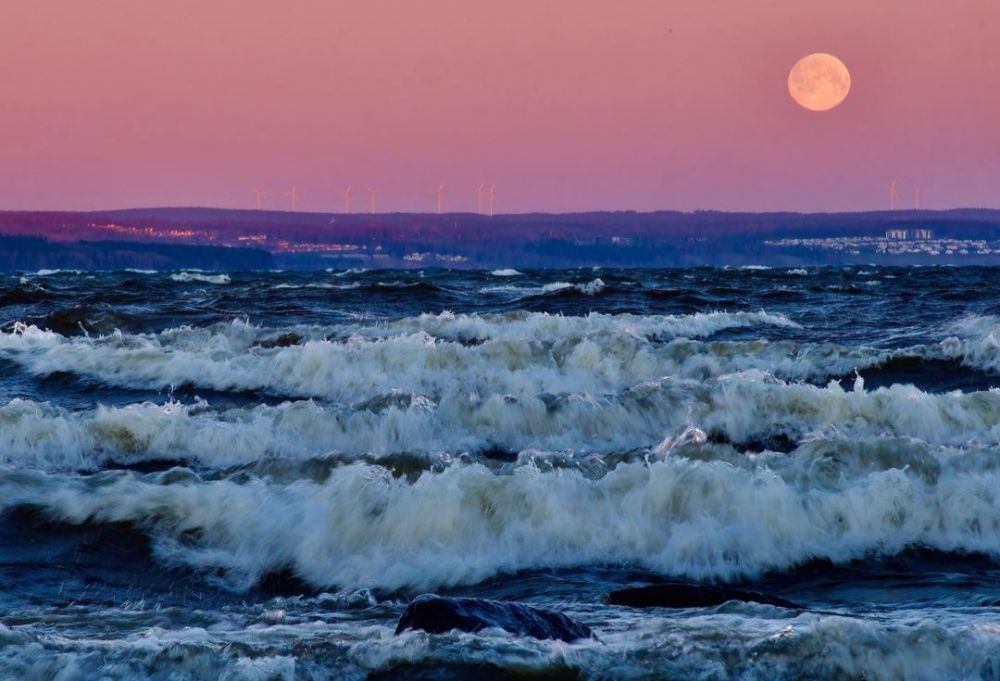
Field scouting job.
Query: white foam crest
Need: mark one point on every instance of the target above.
(738, 405)
(976, 341)
(590, 288)
(505, 272)
(49, 273)
(190, 276)
(540, 326)
(914, 645)
(319, 285)
(363, 528)
(348, 272)
(751, 645)
(42, 436)
(924, 645)
(742, 408)
(520, 354)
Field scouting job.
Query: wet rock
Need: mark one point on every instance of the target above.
(681, 595)
(285, 340)
(765, 442)
(144, 466)
(437, 614)
(498, 453)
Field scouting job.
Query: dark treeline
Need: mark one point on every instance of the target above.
(35, 253)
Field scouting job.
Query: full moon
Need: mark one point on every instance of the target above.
(819, 82)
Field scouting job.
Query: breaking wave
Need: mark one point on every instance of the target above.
(833, 441)
(512, 353)
(745, 412)
(201, 277)
(359, 526)
(431, 354)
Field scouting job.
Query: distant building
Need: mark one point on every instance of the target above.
(923, 234)
(897, 234)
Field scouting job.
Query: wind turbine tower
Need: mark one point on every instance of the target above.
(916, 198)
(293, 194)
(372, 191)
(258, 195)
(347, 199)
(479, 197)
(892, 195)
(440, 195)
(493, 196)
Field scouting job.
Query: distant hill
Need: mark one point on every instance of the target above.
(612, 238)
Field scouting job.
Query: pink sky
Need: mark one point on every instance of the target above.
(563, 105)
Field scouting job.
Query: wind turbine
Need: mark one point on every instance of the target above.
(916, 198)
(479, 197)
(892, 195)
(293, 194)
(372, 191)
(493, 196)
(258, 197)
(347, 199)
(440, 194)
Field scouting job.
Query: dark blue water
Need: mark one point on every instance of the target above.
(222, 476)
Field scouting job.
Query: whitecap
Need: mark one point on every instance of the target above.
(196, 276)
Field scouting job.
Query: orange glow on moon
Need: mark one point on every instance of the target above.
(819, 82)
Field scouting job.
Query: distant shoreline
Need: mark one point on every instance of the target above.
(248, 239)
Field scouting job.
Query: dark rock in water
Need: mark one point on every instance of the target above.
(681, 595)
(436, 614)
(767, 442)
(285, 340)
(497, 453)
(147, 465)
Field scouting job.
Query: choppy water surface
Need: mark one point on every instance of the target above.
(248, 476)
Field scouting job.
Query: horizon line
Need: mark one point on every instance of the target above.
(474, 214)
